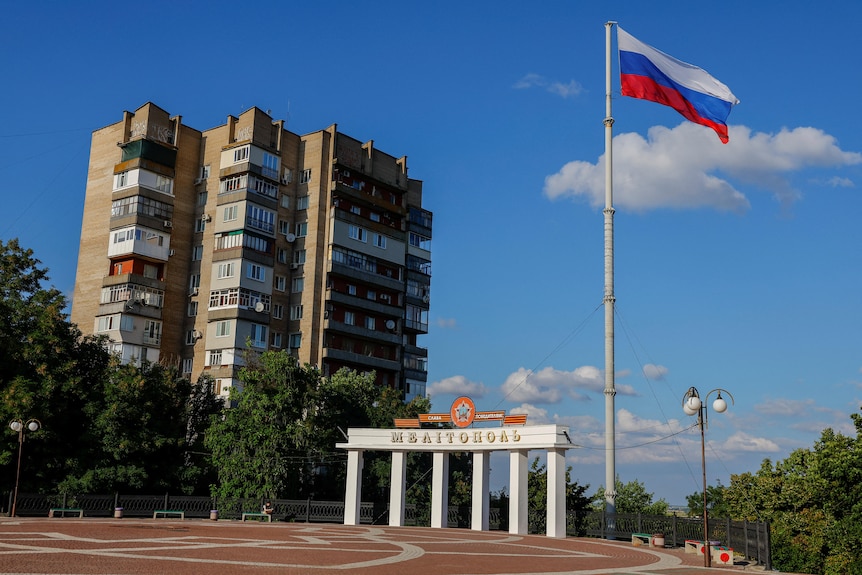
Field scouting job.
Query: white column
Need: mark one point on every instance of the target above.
(353, 493)
(518, 492)
(440, 490)
(556, 521)
(397, 482)
(481, 500)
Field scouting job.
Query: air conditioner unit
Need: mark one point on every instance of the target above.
(199, 181)
(294, 266)
(168, 224)
(206, 218)
(197, 334)
(346, 173)
(194, 291)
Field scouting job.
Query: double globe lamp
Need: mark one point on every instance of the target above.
(19, 426)
(692, 405)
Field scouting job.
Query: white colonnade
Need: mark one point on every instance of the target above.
(480, 441)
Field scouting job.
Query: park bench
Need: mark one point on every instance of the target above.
(642, 539)
(256, 516)
(62, 511)
(165, 513)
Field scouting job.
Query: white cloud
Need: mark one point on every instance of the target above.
(457, 385)
(786, 407)
(446, 323)
(566, 90)
(741, 441)
(687, 167)
(838, 182)
(535, 415)
(654, 372)
(551, 385)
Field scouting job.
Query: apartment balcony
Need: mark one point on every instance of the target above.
(366, 195)
(361, 275)
(363, 303)
(136, 279)
(360, 359)
(362, 332)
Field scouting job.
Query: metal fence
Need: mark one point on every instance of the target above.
(749, 539)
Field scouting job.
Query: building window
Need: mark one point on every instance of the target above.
(349, 318)
(370, 323)
(191, 337)
(301, 229)
(302, 203)
(351, 289)
(355, 210)
(188, 363)
(202, 199)
(286, 176)
(297, 284)
(197, 253)
(299, 256)
(194, 283)
(296, 312)
(280, 283)
(285, 201)
(356, 233)
(256, 272)
(215, 357)
(200, 225)
(225, 270)
(304, 176)
(258, 335)
(240, 154)
(152, 332)
(276, 340)
(371, 294)
(164, 185)
(282, 256)
(121, 180)
(260, 218)
(375, 217)
(222, 328)
(295, 340)
(277, 311)
(231, 213)
(380, 241)
(283, 227)
(270, 166)
(193, 308)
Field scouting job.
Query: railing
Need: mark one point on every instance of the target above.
(750, 539)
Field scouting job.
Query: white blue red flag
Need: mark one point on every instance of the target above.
(650, 74)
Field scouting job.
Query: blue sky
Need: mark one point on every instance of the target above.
(737, 266)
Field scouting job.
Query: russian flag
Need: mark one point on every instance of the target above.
(650, 74)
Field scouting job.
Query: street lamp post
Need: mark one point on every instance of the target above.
(691, 405)
(18, 426)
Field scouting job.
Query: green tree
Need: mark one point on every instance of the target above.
(143, 426)
(259, 445)
(811, 500)
(716, 504)
(48, 371)
(537, 494)
(632, 497)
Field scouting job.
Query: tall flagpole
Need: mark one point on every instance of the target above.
(609, 299)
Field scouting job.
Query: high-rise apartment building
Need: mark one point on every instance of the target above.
(198, 247)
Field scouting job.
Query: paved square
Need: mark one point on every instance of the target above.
(148, 546)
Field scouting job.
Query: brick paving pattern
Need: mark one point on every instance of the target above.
(155, 546)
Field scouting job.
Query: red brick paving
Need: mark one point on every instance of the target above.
(148, 546)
